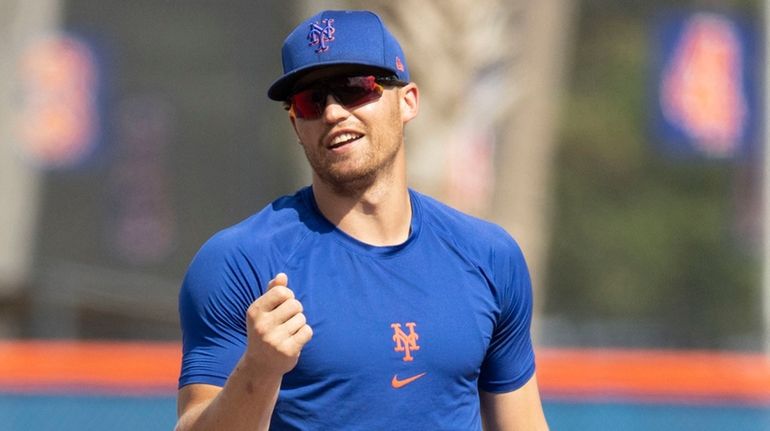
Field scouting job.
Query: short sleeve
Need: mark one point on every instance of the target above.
(510, 359)
(217, 290)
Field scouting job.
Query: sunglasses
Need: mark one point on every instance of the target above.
(349, 91)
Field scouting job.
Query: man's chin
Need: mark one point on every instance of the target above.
(348, 182)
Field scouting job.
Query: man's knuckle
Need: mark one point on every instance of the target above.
(262, 326)
(252, 313)
(297, 306)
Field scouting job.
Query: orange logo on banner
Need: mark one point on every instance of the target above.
(58, 122)
(702, 86)
(405, 342)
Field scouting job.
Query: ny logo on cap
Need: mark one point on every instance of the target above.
(321, 34)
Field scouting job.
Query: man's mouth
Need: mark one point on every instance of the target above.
(344, 139)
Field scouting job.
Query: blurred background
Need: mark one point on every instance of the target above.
(620, 142)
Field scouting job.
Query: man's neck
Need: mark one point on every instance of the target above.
(380, 215)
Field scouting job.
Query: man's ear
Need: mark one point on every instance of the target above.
(410, 101)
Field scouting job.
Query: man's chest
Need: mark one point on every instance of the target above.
(392, 323)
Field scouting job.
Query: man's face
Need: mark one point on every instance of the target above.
(349, 148)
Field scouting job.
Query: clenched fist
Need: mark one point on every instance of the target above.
(276, 328)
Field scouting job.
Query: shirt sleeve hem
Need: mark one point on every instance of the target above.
(509, 385)
(207, 380)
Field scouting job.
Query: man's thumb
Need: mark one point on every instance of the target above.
(280, 280)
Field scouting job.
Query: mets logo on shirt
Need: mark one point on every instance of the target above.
(405, 342)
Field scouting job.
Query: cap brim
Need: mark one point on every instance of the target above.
(282, 88)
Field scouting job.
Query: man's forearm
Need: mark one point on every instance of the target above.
(246, 402)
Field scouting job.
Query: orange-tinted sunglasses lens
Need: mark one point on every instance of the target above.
(350, 92)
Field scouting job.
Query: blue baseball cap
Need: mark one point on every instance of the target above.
(332, 38)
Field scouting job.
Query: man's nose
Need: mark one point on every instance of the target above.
(334, 111)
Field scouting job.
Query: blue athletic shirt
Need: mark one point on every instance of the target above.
(403, 336)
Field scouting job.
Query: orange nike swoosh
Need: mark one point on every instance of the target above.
(396, 383)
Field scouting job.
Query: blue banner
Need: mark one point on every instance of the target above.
(704, 91)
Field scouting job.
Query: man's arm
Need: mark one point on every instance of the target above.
(245, 403)
(519, 410)
(276, 331)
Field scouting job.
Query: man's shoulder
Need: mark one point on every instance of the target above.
(462, 227)
(284, 220)
(482, 242)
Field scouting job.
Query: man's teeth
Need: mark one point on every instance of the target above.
(344, 138)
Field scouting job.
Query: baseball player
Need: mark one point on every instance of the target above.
(357, 303)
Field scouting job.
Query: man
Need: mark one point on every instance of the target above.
(356, 303)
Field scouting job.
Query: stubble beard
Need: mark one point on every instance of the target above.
(353, 177)
(366, 172)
